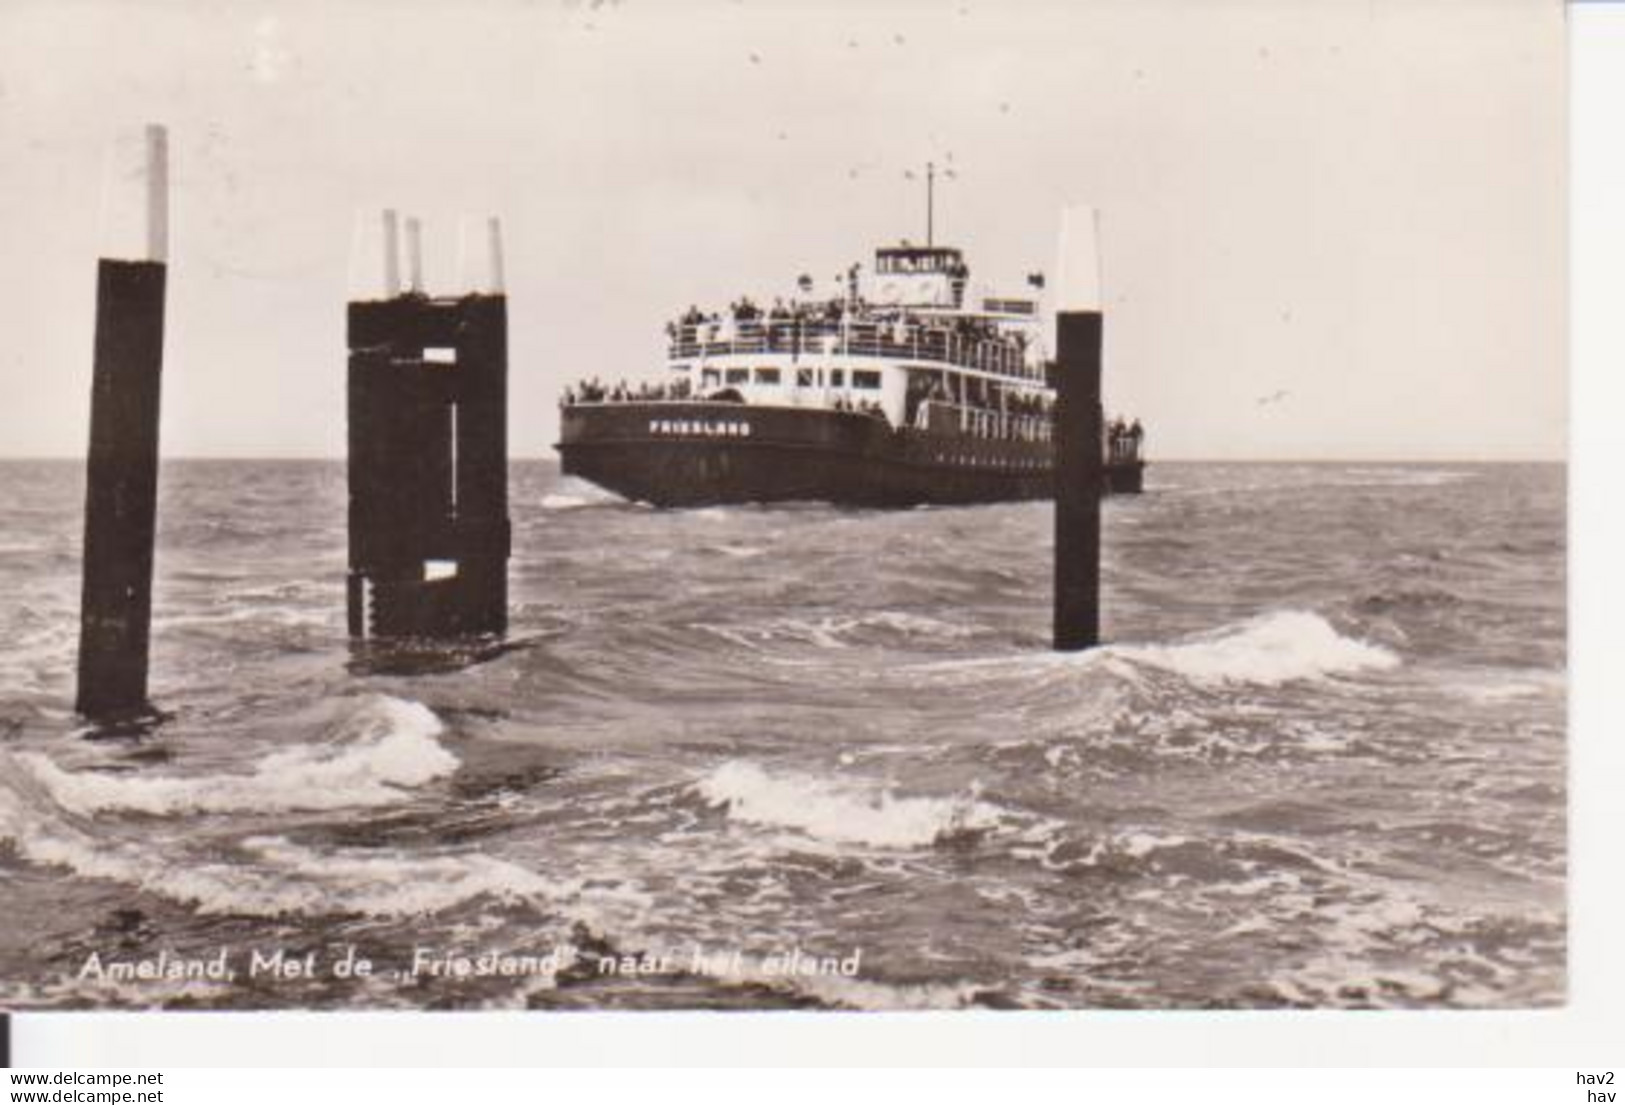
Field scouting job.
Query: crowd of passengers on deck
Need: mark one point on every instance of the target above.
(1123, 439)
(823, 316)
(594, 390)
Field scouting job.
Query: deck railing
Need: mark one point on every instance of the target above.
(1122, 447)
(901, 341)
(942, 416)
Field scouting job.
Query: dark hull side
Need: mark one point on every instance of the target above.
(674, 454)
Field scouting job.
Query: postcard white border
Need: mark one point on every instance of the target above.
(1585, 1030)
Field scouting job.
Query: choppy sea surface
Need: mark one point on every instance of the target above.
(1320, 761)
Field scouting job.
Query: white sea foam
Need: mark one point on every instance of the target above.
(302, 880)
(286, 879)
(1491, 687)
(286, 617)
(857, 993)
(739, 552)
(571, 493)
(1121, 849)
(914, 625)
(1404, 477)
(841, 812)
(1271, 649)
(272, 876)
(377, 754)
(842, 632)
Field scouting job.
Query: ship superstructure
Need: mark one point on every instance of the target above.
(894, 390)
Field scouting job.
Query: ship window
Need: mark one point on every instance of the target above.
(767, 376)
(837, 377)
(804, 377)
(680, 368)
(710, 377)
(739, 375)
(865, 379)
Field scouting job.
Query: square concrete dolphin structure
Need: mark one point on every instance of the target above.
(428, 447)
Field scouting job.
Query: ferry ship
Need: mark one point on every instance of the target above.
(896, 391)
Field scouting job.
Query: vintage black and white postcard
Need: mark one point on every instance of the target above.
(930, 504)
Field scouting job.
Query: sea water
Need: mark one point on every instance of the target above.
(808, 757)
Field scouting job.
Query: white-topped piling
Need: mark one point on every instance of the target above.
(1079, 470)
(121, 483)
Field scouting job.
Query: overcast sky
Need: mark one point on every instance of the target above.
(1329, 229)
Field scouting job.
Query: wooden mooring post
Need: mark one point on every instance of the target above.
(428, 454)
(122, 469)
(1078, 428)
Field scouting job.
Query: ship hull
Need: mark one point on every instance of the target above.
(684, 454)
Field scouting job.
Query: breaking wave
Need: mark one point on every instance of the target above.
(841, 813)
(1272, 649)
(280, 879)
(271, 876)
(295, 879)
(379, 752)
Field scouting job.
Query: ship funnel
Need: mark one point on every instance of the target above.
(135, 196)
(375, 256)
(1077, 264)
(479, 256)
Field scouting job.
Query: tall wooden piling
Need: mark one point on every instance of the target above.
(1078, 429)
(122, 469)
(428, 469)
